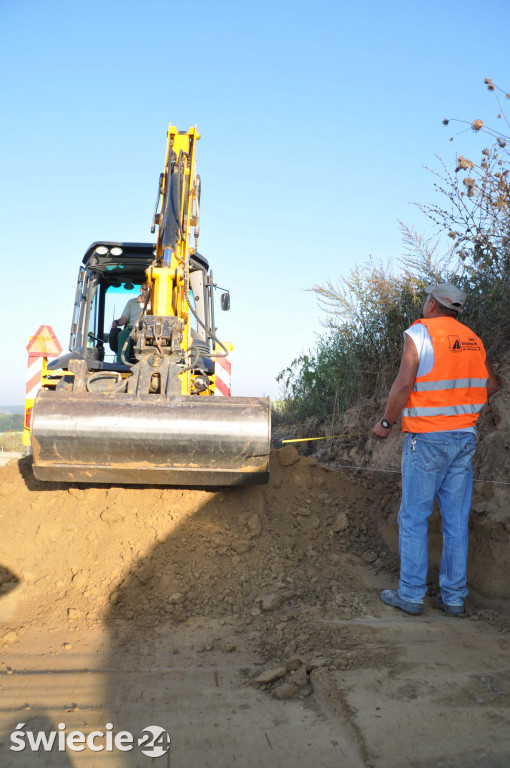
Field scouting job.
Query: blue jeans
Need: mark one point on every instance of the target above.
(435, 464)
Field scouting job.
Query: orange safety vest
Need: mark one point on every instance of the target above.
(452, 395)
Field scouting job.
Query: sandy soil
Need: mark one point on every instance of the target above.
(251, 611)
(7, 456)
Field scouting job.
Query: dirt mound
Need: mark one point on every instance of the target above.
(87, 553)
(275, 557)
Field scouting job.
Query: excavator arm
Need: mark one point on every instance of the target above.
(177, 210)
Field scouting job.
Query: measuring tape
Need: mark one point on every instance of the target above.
(328, 437)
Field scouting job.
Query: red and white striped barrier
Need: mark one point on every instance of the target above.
(34, 374)
(223, 374)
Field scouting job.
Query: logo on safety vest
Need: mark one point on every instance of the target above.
(454, 343)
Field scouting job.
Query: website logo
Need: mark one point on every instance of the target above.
(155, 741)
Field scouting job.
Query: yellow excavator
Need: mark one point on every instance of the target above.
(156, 412)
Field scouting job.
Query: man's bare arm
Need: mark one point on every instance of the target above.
(401, 389)
(493, 383)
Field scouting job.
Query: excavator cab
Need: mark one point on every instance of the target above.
(110, 275)
(155, 411)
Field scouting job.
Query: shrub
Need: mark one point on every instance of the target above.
(367, 313)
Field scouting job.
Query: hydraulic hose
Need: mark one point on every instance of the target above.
(208, 331)
(103, 374)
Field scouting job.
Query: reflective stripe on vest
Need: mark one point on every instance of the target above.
(450, 410)
(429, 386)
(454, 392)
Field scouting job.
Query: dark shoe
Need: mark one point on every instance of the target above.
(391, 597)
(449, 610)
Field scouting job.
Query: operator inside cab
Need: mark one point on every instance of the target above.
(130, 315)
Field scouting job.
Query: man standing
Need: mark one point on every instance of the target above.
(442, 385)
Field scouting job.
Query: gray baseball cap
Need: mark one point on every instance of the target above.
(448, 295)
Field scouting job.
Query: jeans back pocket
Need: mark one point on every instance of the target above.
(428, 455)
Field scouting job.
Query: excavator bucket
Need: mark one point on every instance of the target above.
(192, 441)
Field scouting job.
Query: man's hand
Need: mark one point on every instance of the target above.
(121, 321)
(380, 432)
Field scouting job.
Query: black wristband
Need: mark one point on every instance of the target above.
(386, 424)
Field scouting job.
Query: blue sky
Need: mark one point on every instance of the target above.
(316, 121)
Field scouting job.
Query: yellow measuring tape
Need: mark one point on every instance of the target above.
(328, 437)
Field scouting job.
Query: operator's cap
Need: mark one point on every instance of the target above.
(448, 295)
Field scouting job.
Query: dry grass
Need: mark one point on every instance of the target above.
(11, 441)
